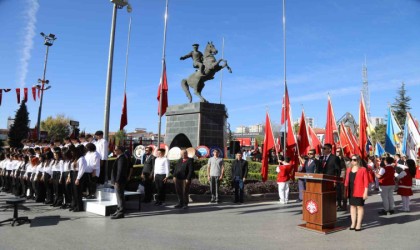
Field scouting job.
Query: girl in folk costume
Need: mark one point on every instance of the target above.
(418, 172)
(405, 183)
(371, 172)
(387, 184)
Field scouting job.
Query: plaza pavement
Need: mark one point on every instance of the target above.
(253, 225)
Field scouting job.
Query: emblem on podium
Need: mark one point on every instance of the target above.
(311, 206)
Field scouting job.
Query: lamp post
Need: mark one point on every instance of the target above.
(118, 4)
(48, 42)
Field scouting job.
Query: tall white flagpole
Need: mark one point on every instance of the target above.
(161, 75)
(284, 52)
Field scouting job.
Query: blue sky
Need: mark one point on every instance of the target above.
(327, 42)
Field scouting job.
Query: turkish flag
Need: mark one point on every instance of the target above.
(363, 124)
(18, 95)
(268, 144)
(25, 94)
(34, 93)
(124, 119)
(304, 139)
(331, 126)
(345, 143)
(286, 106)
(356, 148)
(163, 88)
(316, 143)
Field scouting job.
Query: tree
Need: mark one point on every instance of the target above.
(20, 128)
(120, 137)
(401, 105)
(379, 134)
(57, 128)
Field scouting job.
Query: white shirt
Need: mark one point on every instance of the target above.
(67, 166)
(102, 148)
(81, 162)
(161, 166)
(48, 168)
(58, 166)
(93, 160)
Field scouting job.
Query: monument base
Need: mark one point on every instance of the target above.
(196, 124)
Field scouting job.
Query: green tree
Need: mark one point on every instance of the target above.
(379, 134)
(401, 105)
(20, 128)
(120, 137)
(57, 128)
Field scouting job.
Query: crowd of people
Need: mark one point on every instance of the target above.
(62, 174)
(360, 177)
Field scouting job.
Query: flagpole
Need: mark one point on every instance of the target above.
(221, 73)
(284, 59)
(126, 55)
(163, 65)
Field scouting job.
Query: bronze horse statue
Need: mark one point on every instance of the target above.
(211, 66)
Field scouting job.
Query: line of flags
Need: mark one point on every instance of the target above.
(19, 92)
(340, 136)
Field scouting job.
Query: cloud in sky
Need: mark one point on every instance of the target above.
(29, 14)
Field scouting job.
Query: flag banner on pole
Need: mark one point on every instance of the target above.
(1, 95)
(411, 142)
(124, 119)
(268, 144)
(18, 95)
(25, 94)
(163, 104)
(331, 126)
(304, 142)
(345, 143)
(379, 150)
(34, 93)
(392, 140)
(356, 148)
(369, 149)
(285, 106)
(363, 126)
(316, 143)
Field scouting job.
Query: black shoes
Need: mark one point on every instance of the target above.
(391, 211)
(382, 212)
(117, 216)
(178, 206)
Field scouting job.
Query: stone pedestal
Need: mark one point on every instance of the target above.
(195, 124)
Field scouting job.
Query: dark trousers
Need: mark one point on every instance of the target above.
(85, 185)
(30, 185)
(239, 189)
(68, 188)
(39, 189)
(92, 185)
(341, 200)
(181, 191)
(23, 185)
(214, 188)
(160, 187)
(48, 188)
(77, 202)
(119, 191)
(148, 187)
(101, 179)
(58, 188)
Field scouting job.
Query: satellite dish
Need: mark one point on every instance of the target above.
(139, 152)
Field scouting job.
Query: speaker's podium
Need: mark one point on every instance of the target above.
(319, 203)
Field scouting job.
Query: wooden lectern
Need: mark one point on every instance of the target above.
(319, 203)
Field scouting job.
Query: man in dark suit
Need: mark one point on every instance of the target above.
(309, 166)
(239, 175)
(147, 174)
(330, 163)
(119, 180)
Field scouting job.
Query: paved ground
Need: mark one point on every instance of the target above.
(256, 225)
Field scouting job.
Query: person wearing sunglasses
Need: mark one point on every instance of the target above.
(307, 166)
(330, 163)
(356, 183)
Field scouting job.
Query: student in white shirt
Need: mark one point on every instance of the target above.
(93, 159)
(47, 177)
(161, 174)
(57, 174)
(102, 148)
(79, 164)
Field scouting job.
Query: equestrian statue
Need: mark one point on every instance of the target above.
(206, 66)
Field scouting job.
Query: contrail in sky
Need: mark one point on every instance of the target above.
(28, 43)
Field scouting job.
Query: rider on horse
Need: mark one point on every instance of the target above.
(197, 57)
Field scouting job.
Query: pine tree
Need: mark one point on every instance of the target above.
(401, 105)
(20, 128)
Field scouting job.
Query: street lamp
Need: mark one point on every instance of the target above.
(118, 4)
(48, 42)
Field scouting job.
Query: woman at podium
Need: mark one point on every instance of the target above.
(356, 184)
